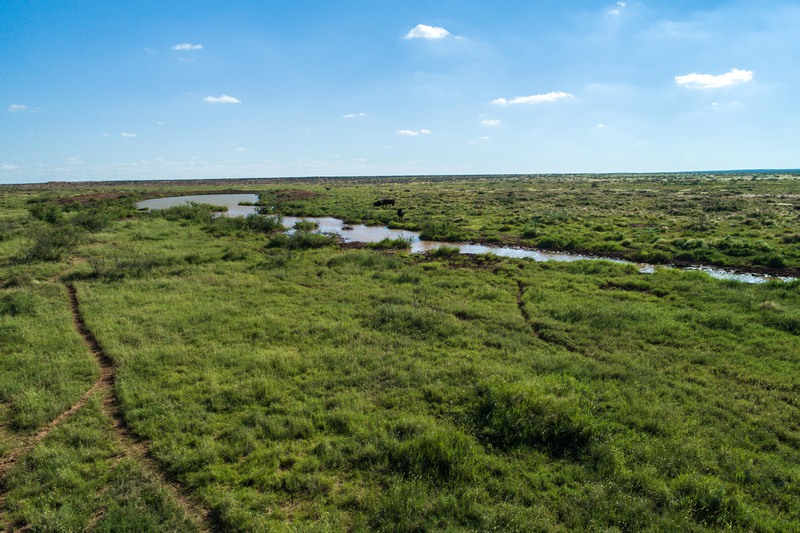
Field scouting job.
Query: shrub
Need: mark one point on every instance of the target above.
(46, 212)
(51, 243)
(92, 220)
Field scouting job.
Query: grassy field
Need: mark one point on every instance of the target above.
(264, 382)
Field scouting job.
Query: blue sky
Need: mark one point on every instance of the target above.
(174, 89)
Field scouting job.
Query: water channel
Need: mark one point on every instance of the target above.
(366, 234)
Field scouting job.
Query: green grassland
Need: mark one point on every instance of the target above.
(287, 383)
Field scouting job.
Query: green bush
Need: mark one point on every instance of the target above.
(50, 243)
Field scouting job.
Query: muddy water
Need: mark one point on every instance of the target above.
(231, 201)
(361, 233)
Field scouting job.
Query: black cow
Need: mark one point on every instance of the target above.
(383, 201)
(401, 213)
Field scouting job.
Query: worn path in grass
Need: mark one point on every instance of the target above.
(131, 447)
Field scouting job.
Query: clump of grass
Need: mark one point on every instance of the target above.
(437, 454)
(508, 415)
(392, 244)
(364, 259)
(711, 502)
(127, 260)
(440, 231)
(414, 320)
(305, 225)
(221, 226)
(301, 240)
(19, 303)
(445, 252)
(192, 212)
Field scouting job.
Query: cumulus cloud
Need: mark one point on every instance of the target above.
(414, 133)
(15, 108)
(423, 31)
(187, 46)
(127, 134)
(618, 9)
(490, 122)
(711, 81)
(224, 99)
(354, 115)
(533, 99)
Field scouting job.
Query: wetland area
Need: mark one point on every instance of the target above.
(370, 369)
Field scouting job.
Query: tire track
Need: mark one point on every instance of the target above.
(538, 332)
(132, 447)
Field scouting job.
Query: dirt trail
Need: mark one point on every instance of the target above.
(523, 311)
(131, 446)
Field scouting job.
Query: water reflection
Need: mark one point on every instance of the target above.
(366, 234)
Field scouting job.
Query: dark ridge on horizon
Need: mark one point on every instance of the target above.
(759, 171)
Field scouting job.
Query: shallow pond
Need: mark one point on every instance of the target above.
(361, 233)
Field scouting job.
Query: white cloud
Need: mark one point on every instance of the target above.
(241, 149)
(224, 99)
(533, 99)
(484, 138)
(187, 46)
(423, 31)
(14, 108)
(414, 133)
(619, 6)
(127, 135)
(354, 115)
(711, 81)
(6, 166)
(490, 122)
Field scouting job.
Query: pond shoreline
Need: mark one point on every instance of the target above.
(336, 226)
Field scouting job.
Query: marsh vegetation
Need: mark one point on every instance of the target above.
(273, 381)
